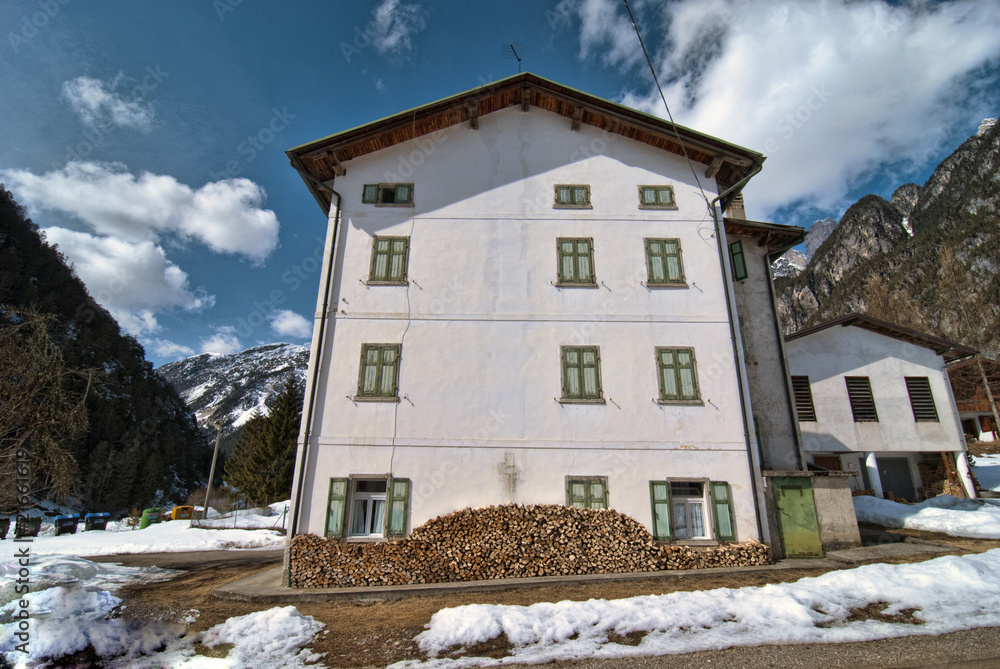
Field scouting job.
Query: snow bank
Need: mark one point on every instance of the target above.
(948, 594)
(987, 470)
(944, 513)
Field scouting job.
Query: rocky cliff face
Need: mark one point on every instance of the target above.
(928, 259)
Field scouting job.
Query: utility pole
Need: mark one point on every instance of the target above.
(211, 474)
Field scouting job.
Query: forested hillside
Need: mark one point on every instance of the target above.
(140, 442)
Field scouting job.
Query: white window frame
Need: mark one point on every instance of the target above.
(370, 500)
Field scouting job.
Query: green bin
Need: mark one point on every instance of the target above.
(4, 527)
(150, 516)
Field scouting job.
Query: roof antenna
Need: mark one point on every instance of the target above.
(508, 52)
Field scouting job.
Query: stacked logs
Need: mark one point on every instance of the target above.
(509, 541)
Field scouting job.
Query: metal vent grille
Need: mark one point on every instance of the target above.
(921, 400)
(859, 390)
(804, 406)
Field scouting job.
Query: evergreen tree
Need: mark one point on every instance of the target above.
(263, 458)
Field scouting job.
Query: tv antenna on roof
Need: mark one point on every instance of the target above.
(508, 52)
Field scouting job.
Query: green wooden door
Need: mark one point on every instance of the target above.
(793, 497)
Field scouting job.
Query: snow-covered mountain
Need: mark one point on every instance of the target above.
(790, 264)
(229, 388)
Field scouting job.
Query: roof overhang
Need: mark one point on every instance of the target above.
(321, 161)
(947, 349)
(777, 238)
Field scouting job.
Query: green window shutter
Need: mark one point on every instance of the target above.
(665, 196)
(575, 260)
(598, 498)
(576, 494)
(404, 193)
(379, 373)
(659, 497)
(738, 260)
(648, 195)
(370, 194)
(663, 261)
(399, 502)
(722, 511)
(677, 376)
(581, 373)
(336, 508)
(389, 258)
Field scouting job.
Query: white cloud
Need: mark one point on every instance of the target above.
(168, 349)
(395, 23)
(98, 104)
(827, 90)
(133, 280)
(225, 215)
(290, 324)
(223, 342)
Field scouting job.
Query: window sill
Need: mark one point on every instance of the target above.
(358, 398)
(364, 540)
(574, 284)
(376, 282)
(673, 284)
(667, 207)
(565, 400)
(392, 204)
(694, 543)
(695, 403)
(572, 206)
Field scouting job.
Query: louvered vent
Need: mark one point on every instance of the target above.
(859, 390)
(921, 399)
(804, 406)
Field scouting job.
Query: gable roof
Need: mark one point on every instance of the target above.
(947, 349)
(322, 160)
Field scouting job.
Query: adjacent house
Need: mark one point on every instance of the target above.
(873, 399)
(528, 297)
(972, 382)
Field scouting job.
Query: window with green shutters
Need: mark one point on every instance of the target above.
(336, 508)
(678, 510)
(677, 374)
(739, 261)
(379, 372)
(581, 374)
(388, 194)
(587, 493)
(572, 195)
(576, 262)
(663, 262)
(656, 197)
(659, 497)
(389, 258)
(399, 501)
(722, 510)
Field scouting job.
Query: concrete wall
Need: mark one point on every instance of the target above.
(481, 324)
(766, 367)
(838, 525)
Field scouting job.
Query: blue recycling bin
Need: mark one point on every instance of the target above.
(66, 524)
(96, 521)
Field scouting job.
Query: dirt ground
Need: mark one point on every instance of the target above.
(376, 634)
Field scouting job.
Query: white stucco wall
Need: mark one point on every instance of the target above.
(829, 355)
(481, 324)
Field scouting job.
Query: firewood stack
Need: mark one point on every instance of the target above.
(509, 541)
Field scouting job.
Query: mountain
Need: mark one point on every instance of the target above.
(141, 445)
(926, 259)
(817, 233)
(230, 388)
(790, 264)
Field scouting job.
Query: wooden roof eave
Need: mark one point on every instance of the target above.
(776, 237)
(947, 349)
(324, 158)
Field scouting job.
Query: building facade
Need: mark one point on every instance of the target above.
(873, 399)
(527, 298)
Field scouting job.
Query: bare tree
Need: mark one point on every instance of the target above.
(42, 410)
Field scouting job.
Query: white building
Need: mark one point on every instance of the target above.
(874, 399)
(524, 301)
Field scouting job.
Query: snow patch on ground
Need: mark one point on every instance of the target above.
(957, 517)
(946, 594)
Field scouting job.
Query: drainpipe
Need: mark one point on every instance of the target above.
(755, 465)
(316, 364)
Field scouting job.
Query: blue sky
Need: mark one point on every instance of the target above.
(148, 139)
